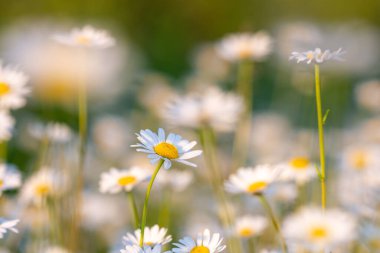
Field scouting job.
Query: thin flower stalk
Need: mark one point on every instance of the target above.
(244, 88)
(145, 208)
(132, 203)
(273, 219)
(322, 172)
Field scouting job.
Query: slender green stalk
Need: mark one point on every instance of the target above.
(244, 88)
(320, 136)
(133, 205)
(251, 245)
(208, 142)
(3, 151)
(145, 208)
(274, 221)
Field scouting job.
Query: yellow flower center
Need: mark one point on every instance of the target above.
(83, 40)
(4, 88)
(310, 56)
(300, 163)
(1, 182)
(245, 52)
(318, 233)
(257, 186)
(200, 249)
(126, 180)
(246, 232)
(148, 243)
(359, 160)
(166, 150)
(42, 189)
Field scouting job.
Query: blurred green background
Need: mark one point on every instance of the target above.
(166, 31)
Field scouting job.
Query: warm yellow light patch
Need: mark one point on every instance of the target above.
(4, 88)
(200, 249)
(1, 182)
(318, 233)
(166, 150)
(257, 186)
(310, 56)
(359, 160)
(245, 53)
(42, 189)
(83, 40)
(126, 180)
(246, 232)
(300, 163)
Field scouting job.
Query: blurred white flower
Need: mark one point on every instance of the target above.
(10, 178)
(250, 226)
(175, 180)
(41, 185)
(283, 192)
(211, 107)
(269, 251)
(368, 95)
(361, 157)
(299, 169)
(6, 125)
(115, 181)
(245, 46)
(54, 131)
(6, 225)
(317, 56)
(138, 249)
(319, 230)
(205, 243)
(252, 180)
(55, 249)
(87, 37)
(152, 236)
(170, 148)
(13, 88)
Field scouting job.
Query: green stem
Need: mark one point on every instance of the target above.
(3, 151)
(133, 205)
(145, 208)
(273, 218)
(320, 136)
(251, 245)
(244, 88)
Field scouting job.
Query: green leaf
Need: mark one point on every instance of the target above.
(325, 116)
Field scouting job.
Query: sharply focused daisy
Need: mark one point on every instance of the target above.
(245, 46)
(10, 178)
(152, 236)
(40, 186)
(87, 36)
(319, 230)
(250, 226)
(171, 148)
(205, 243)
(13, 88)
(6, 225)
(211, 107)
(116, 180)
(146, 249)
(299, 169)
(317, 56)
(6, 125)
(252, 180)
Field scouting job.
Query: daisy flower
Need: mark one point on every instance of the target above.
(6, 225)
(13, 88)
(245, 46)
(146, 249)
(87, 37)
(54, 131)
(10, 178)
(115, 180)
(252, 180)
(250, 226)
(171, 148)
(152, 236)
(205, 243)
(39, 186)
(361, 157)
(299, 169)
(6, 125)
(319, 230)
(212, 107)
(317, 56)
